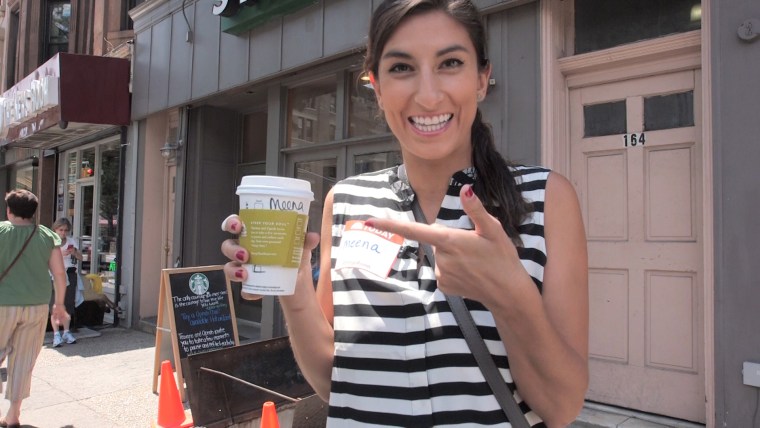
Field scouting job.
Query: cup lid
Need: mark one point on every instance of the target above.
(275, 185)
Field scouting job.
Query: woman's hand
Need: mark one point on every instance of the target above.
(59, 314)
(311, 335)
(238, 255)
(470, 263)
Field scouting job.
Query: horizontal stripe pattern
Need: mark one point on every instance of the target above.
(400, 357)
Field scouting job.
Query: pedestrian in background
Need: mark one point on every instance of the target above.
(27, 253)
(71, 253)
(379, 339)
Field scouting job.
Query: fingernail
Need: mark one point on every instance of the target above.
(369, 223)
(240, 255)
(239, 273)
(469, 193)
(234, 227)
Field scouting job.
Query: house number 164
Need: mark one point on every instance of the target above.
(634, 139)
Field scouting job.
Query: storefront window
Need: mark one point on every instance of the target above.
(92, 204)
(88, 163)
(364, 116)
(25, 178)
(311, 113)
(108, 204)
(72, 172)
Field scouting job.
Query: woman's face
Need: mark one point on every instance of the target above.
(428, 86)
(62, 231)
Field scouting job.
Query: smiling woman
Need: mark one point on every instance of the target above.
(378, 339)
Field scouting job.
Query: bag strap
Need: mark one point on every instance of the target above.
(34, 230)
(475, 342)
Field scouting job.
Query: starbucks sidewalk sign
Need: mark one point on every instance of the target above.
(195, 308)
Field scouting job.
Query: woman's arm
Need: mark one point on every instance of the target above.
(55, 265)
(546, 335)
(308, 312)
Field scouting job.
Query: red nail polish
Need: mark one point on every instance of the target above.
(239, 274)
(469, 193)
(240, 255)
(233, 227)
(369, 223)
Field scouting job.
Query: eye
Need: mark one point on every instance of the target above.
(452, 63)
(400, 68)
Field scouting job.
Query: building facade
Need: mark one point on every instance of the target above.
(646, 106)
(65, 108)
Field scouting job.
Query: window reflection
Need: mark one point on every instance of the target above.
(602, 24)
(311, 113)
(59, 14)
(322, 174)
(88, 163)
(604, 119)
(376, 161)
(72, 172)
(364, 116)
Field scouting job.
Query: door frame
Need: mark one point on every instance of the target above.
(677, 52)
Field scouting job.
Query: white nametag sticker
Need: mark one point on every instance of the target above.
(368, 248)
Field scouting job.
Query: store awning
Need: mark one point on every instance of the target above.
(68, 98)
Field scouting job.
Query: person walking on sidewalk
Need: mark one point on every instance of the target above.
(70, 252)
(27, 252)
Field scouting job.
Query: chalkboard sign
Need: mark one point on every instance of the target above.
(202, 311)
(197, 304)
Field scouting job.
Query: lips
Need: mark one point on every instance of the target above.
(430, 123)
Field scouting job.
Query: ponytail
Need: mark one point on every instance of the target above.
(496, 185)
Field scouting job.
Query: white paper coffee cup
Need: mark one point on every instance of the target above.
(275, 214)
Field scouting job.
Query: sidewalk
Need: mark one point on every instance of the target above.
(104, 380)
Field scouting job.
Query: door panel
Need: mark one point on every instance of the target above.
(641, 204)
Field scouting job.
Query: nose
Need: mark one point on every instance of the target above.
(429, 91)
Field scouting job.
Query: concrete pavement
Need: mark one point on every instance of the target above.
(106, 378)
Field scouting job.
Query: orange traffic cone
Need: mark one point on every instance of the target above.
(171, 413)
(269, 416)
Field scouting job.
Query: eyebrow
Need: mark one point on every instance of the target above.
(442, 52)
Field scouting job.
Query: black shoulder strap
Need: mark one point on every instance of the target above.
(476, 344)
(34, 230)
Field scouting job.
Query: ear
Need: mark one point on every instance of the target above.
(483, 77)
(376, 87)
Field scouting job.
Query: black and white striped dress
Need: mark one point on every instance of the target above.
(400, 358)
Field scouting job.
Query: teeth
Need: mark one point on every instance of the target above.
(431, 123)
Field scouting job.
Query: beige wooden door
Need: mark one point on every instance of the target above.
(636, 162)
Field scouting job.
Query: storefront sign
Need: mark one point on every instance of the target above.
(26, 103)
(30, 98)
(239, 16)
(66, 90)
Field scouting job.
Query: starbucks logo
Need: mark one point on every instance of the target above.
(199, 283)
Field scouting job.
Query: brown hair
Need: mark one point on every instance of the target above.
(496, 186)
(63, 221)
(21, 203)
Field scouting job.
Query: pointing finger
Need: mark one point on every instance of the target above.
(483, 222)
(430, 234)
